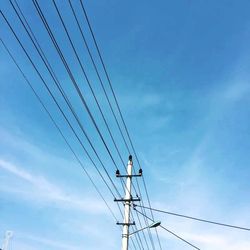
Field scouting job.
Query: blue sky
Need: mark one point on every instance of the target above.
(180, 70)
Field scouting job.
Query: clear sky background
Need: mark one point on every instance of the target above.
(180, 70)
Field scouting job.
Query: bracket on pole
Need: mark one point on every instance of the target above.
(127, 200)
(126, 224)
(117, 174)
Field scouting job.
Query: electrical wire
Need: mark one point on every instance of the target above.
(41, 15)
(177, 236)
(68, 37)
(87, 79)
(197, 219)
(98, 75)
(152, 215)
(142, 231)
(117, 104)
(34, 37)
(76, 86)
(79, 61)
(110, 84)
(138, 240)
(61, 133)
(58, 129)
(147, 225)
(102, 62)
(45, 84)
(88, 82)
(74, 153)
(28, 58)
(138, 235)
(68, 103)
(100, 80)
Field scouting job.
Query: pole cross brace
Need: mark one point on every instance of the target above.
(126, 224)
(128, 200)
(117, 173)
(126, 176)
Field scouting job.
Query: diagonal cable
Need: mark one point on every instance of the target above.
(197, 219)
(174, 234)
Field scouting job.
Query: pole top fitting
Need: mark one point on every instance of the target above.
(130, 157)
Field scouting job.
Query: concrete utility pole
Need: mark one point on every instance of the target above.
(125, 232)
(127, 203)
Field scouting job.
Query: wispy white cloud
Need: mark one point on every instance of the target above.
(202, 236)
(217, 241)
(29, 241)
(40, 189)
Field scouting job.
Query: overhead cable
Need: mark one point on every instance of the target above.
(174, 234)
(95, 67)
(98, 74)
(87, 79)
(55, 101)
(75, 84)
(59, 130)
(197, 219)
(50, 93)
(91, 89)
(118, 107)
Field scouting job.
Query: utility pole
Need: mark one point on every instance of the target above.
(127, 202)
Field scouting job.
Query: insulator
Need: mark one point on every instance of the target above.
(117, 173)
(140, 171)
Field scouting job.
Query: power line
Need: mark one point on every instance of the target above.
(145, 187)
(45, 84)
(34, 37)
(133, 244)
(76, 86)
(118, 107)
(36, 4)
(76, 117)
(180, 238)
(70, 40)
(88, 82)
(57, 104)
(40, 49)
(37, 50)
(45, 20)
(98, 75)
(138, 240)
(197, 219)
(138, 235)
(61, 133)
(58, 129)
(102, 62)
(142, 231)
(52, 118)
(87, 79)
(96, 70)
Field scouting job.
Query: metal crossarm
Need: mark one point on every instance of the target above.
(127, 200)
